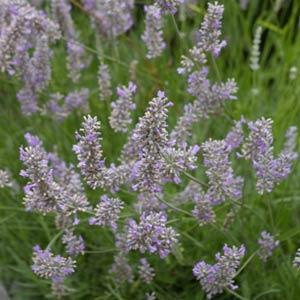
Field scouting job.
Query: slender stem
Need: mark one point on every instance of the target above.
(245, 264)
(235, 294)
(176, 27)
(194, 179)
(216, 68)
(174, 207)
(54, 239)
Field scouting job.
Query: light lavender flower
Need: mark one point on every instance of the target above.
(222, 182)
(120, 117)
(169, 5)
(153, 34)
(150, 137)
(258, 148)
(210, 31)
(74, 244)
(267, 244)
(215, 278)
(151, 296)
(255, 52)
(203, 209)
(5, 179)
(104, 82)
(151, 234)
(42, 193)
(107, 212)
(290, 144)
(48, 266)
(121, 269)
(146, 272)
(89, 152)
(296, 261)
(61, 106)
(61, 11)
(112, 17)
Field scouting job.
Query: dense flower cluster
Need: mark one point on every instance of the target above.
(153, 35)
(48, 266)
(107, 212)
(46, 192)
(267, 244)
(74, 244)
(120, 118)
(151, 234)
(215, 278)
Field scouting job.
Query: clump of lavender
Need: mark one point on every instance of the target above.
(153, 34)
(62, 106)
(209, 39)
(121, 269)
(151, 234)
(296, 261)
(215, 278)
(209, 97)
(107, 212)
(52, 187)
(48, 266)
(25, 35)
(5, 179)
(112, 17)
(267, 244)
(258, 148)
(146, 272)
(120, 117)
(42, 193)
(222, 182)
(169, 5)
(91, 162)
(74, 244)
(104, 82)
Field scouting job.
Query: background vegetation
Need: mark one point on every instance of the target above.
(278, 212)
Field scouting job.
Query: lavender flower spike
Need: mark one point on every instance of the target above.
(169, 5)
(267, 245)
(107, 212)
(210, 31)
(74, 244)
(120, 118)
(104, 82)
(48, 266)
(151, 235)
(89, 152)
(146, 272)
(215, 278)
(153, 35)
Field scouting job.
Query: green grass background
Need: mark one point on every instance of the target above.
(277, 212)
